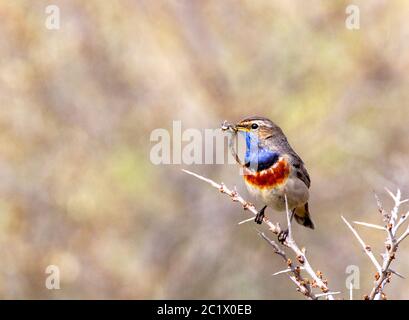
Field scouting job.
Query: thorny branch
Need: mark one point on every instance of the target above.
(304, 285)
(393, 223)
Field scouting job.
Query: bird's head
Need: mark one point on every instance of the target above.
(257, 128)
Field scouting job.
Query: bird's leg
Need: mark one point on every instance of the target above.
(283, 234)
(260, 215)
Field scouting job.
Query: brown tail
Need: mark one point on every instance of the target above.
(302, 216)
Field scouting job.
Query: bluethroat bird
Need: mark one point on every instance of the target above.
(273, 170)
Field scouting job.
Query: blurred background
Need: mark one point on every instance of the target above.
(78, 105)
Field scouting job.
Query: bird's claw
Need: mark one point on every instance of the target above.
(282, 236)
(260, 216)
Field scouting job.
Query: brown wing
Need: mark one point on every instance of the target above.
(303, 175)
(297, 163)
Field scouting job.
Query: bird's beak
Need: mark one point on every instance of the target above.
(241, 128)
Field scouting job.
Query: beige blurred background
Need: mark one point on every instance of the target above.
(78, 105)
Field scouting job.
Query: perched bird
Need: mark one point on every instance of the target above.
(273, 170)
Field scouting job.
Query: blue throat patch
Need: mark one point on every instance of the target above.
(259, 158)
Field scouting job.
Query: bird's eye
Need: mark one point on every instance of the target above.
(254, 126)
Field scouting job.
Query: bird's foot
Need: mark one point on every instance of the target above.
(282, 236)
(260, 215)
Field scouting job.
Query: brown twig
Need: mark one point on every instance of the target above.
(303, 285)
(301, 263)
(392, 225)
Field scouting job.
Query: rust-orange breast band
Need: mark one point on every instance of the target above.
(272, 177)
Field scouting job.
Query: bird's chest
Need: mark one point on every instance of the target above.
(273, 178)
(269, 185)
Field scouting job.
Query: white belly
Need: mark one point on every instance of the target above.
(296, 191)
